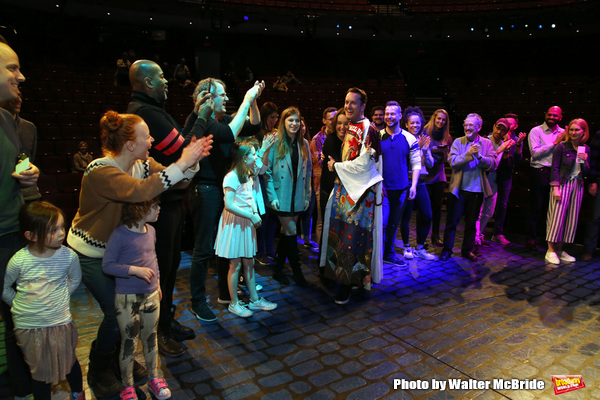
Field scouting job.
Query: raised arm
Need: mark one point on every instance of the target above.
(237, 123)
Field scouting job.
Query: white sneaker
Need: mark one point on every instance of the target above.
(262, 304)
(479, 239)
(552, 258)
(422, 253)
(566, 257)
(239, 309)
(408, 253)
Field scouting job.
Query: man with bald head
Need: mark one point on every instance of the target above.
(542, 140)
(147, 100)
(11, 200)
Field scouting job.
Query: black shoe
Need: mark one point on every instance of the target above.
(167, 346)
(327, 283)
(101, 376)
(280, 277)
(477, 251)
(300, 281)
(469, 255)
(202, 312)
(395, 260)
(436, 241)
(180, 332)
(446, 254)
(531, 245)
(262, 261)
(343, 295)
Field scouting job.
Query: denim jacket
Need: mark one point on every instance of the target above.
(563, 161)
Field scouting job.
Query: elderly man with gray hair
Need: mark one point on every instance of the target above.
(471, 156)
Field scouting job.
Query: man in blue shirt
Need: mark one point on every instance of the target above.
(399, 148)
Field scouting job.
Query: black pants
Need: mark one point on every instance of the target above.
(436, 197)
(504, 187)
(206, 202)
(469, 204)
(539, 200)
(395, 207)
(424, 216)
(18, 370)
(169, 233)
(43, 390)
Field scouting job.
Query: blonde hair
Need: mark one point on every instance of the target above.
(431, 125)
(583, 125)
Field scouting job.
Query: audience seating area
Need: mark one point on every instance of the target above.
(67, 109)
(387, 6)
(308, 5)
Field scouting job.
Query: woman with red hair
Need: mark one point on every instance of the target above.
(569, 162)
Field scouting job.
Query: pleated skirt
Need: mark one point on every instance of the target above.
(236, 237)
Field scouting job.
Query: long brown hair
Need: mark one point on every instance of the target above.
(284, 144)
(238, 152)
(39, 218)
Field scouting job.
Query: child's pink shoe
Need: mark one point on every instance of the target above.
(159, 389)
(128, 393)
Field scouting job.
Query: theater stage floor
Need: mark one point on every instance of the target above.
(507, 316)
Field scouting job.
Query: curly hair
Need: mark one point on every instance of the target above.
(117, 129)
(133, 213)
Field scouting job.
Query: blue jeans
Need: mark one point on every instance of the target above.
(206, 203)
(102, 287)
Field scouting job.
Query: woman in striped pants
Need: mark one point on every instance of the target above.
(570, 161)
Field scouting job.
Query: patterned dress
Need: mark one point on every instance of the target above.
(352, 222)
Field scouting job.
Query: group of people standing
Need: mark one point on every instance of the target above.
(245, 175)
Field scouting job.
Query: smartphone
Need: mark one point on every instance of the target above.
(22, 163)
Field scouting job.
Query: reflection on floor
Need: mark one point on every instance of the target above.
(457, 323)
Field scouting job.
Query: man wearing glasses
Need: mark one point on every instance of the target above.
(470, 157)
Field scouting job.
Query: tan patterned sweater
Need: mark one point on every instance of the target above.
(105, 187)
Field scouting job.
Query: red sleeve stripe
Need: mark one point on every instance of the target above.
(164, 144)
(175, 146)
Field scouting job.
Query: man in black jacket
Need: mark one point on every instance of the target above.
(148, 97)
(206, 200)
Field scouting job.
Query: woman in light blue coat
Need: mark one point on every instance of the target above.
(288, 190)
